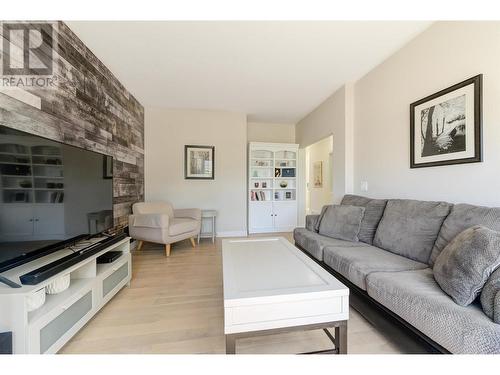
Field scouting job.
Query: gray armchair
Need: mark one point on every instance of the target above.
(158, 222)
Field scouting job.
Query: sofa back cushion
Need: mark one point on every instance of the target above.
(342, 222)
(410, 228)
(461, 217)
(320, 217)
(466, 263)
(374, 209)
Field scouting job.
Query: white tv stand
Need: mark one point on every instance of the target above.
(48, 328)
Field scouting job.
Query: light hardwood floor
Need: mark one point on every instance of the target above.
(175, 305)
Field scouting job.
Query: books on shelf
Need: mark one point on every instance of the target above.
(56, 197)
(258, 196)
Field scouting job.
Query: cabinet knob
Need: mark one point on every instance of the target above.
(31, 219)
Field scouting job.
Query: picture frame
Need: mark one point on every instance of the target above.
(318, 174)
(446, 127)
(107, 167)
(199, 162)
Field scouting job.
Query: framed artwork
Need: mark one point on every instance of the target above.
(107, 167)
(445, 128)
(318, 174)
(199, 162)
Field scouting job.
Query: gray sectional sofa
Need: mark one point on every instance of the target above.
(399, 241)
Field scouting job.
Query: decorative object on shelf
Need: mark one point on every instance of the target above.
(35, 300)
(25, 184)
(283, 184)
(288, 195)
(256, 184)
(318, 174)
(59, 285)
(21, 197)
(445, 128)
(283, 164)
(199, 162)
(264, 185)
(107, 167)
(277, 196)
(288, 172)
(277, 172)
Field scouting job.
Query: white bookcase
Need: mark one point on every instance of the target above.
(272, 187)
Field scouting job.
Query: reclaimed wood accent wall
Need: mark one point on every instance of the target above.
(89, 108)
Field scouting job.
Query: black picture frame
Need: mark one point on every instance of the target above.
(477, 82)
(107, 167)
(188, 175)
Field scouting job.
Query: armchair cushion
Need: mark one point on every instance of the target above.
(153, 208)
(149, 220)
(193, 213)
(182, 225)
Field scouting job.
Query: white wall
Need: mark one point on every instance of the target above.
(330, 118)
(319, 196)
(445, 54)
(270, 132)
(166, 133)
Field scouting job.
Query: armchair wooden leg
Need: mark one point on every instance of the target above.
(167, 250)
(192, 242)
(139, 245)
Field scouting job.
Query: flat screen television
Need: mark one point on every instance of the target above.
(50, 193)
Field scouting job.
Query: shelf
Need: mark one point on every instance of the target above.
(104, 267)
(17, 175)
(13, 163)
(13, 153)
(47, 165)
(285, 188)
(54, 301)
(16, 188)
(266, 159)
(51, 177)
(260, 167)
(48, 155)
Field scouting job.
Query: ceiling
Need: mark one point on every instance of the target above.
(274, 71)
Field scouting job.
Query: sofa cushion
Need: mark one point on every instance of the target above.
(409, 228)
(342, 222)
(466, 263)
(490, 296)
(417, 298)
(461, 217)
(311, 221)
(182, 225)
(314, 243)
(374, 209)
(318, 222)
(356, 263)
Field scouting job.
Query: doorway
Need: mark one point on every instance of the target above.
(318, 175)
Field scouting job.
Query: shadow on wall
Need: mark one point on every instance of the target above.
(318, 176)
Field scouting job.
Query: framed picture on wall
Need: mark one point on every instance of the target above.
(199, 162)
(318, 174)
(107, 167)
(445, 128)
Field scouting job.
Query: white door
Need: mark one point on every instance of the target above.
(261, 217)
(49, 220)
(16, 221)
(285, 215)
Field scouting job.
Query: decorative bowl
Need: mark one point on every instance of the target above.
(283, 184)
(36, 300)
(58, 285)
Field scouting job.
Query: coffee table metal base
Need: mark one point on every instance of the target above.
(339, 340)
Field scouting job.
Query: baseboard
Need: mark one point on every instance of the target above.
(234, 233)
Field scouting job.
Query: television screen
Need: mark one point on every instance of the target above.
(49, 192)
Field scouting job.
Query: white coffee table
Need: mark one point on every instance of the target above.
(272, 287)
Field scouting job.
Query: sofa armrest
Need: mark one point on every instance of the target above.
(149, 220)
(193, 213)
(311, 222)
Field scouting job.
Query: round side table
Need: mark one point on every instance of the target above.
(208, 215)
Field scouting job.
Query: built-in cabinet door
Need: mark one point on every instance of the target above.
(16, 221)
(49, 219)
(261, 218)
(285, 215)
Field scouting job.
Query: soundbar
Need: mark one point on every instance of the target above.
(43, 273)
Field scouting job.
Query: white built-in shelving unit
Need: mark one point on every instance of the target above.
(272, 187)
(31, 188)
